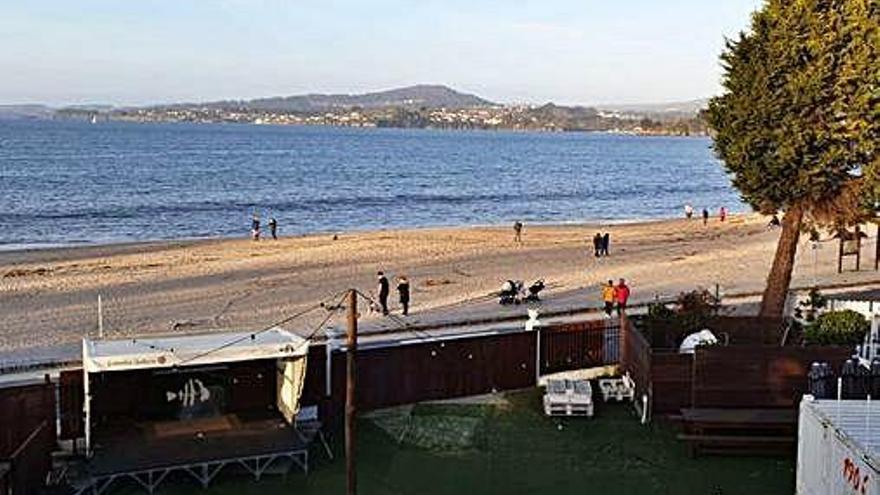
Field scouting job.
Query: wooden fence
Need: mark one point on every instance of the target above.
(451, 367)
(27, 466)
(753, 371)
(635, 357)
(27, 436)
(389, 374)
(579, 345)
(670, 381)
(757, 376)
(747, 330)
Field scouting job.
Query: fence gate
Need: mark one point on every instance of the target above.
(579, 345)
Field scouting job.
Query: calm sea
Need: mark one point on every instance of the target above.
(71, 182)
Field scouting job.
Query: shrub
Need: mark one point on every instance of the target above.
(692, 312)
(845, 327)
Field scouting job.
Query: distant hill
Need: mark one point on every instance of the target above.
(25, 112)
(422, 95)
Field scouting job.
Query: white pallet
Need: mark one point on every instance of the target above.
(619, 389)
(568, 398)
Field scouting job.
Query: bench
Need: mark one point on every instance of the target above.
(619, 389)
(741, 431)
(568, 398)
(737, 444)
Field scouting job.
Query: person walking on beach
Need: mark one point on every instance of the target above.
(517, 232)
(606, 243)
(688, 211)
(255, 227)
(597, 244)
(722, 213)
(273, 228)
(621, 293)
(608, 297)
(705, 216)
(403, 291)
(384, 289)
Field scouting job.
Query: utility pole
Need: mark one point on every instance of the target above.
(350, 396)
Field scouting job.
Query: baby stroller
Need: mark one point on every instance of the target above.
(511, 292)
(534, 289)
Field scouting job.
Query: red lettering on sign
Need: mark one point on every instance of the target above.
(854, 477)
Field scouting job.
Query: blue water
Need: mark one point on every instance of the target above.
(71, 182)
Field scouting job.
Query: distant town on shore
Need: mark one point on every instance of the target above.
(420, 106)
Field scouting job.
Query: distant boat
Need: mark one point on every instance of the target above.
(94, 119)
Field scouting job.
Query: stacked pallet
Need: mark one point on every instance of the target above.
(568, 398)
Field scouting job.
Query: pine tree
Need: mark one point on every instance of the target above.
(798, 123)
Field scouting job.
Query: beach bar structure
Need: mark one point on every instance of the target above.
(193, 404)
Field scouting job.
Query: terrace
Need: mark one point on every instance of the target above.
(506, 445)
(429, 447)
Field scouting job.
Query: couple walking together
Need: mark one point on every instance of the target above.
(601, 243)
(615, 296)
(385, 290)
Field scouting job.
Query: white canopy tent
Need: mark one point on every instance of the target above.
(168, 352)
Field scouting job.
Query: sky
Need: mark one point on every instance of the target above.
(511, 51)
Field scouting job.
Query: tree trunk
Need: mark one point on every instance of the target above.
(779, 280)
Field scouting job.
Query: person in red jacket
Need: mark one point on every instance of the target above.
(621, 295)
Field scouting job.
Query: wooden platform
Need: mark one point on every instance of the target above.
(738, 431)
(190, 427)
(147, 452)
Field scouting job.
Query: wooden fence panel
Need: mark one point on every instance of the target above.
(441, 369)
(729, 329)
(22, 409)
(31, 461)
(671, 381)
(575, 346)
(635, 357)
(70, 393)
(757, 376)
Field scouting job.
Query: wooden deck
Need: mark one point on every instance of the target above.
(147, 452)
(738, 431)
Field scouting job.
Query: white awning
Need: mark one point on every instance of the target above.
(190, 350)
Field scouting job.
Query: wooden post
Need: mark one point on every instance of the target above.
(100, 318)
(859, 245)
(877, 249)
(350, 396)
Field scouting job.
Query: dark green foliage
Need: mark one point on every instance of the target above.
(800, 114)
(807, 310)
(798, 124)
(692, 312)
(845, 327)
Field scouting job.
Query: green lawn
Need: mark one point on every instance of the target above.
(511, 449)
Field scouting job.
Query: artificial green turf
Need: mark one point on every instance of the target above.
(515, 449)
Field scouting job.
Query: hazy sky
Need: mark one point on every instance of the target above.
(567, 51)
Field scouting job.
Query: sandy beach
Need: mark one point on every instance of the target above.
(49, 296)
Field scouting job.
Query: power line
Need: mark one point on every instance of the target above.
(403, 325)
(284, 321)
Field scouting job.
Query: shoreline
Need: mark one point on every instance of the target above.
(124, 245)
